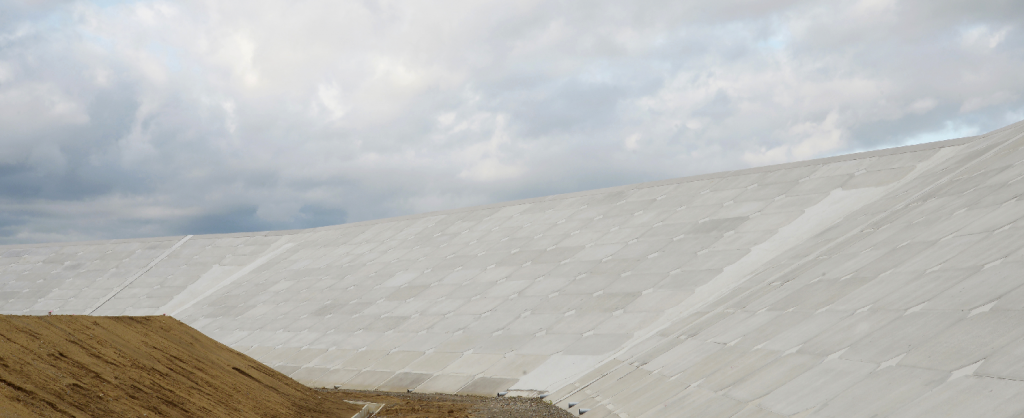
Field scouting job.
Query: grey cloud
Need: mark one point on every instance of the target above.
(144, 118)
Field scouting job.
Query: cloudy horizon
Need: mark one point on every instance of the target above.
(124, 119)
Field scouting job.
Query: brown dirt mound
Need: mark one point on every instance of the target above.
(84, 366)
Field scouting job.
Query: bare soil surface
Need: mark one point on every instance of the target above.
(84, 366)
(420, 405)
(156, 366)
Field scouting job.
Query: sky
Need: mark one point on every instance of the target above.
(124, 119)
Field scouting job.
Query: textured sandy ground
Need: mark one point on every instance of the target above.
(81, 366)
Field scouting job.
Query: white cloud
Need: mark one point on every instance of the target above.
(37, 107)
(6, 73)
(997, 98)
(330, 97)
(484, 160)
(921, 106)
(807, 140)
(983, 36)
(632, 143)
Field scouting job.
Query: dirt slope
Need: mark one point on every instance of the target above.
(83, 366)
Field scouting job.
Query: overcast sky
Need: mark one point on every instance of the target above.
(123, 119)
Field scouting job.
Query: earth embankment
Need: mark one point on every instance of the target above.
(85, 366)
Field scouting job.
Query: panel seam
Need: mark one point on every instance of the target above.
(138, 274)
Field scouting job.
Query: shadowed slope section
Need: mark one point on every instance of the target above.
(80, 366)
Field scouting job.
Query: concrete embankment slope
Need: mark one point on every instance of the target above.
(884, 283)
(81, 366)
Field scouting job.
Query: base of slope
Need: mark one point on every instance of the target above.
(156, 366)
(423, 405)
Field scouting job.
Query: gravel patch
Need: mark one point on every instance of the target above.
(423, 405)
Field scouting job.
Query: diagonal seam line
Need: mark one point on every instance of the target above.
(899, 206)
(835, 242)
(135, 276)
(244, 271)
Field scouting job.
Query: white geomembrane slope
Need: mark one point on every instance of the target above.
(880, 284)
